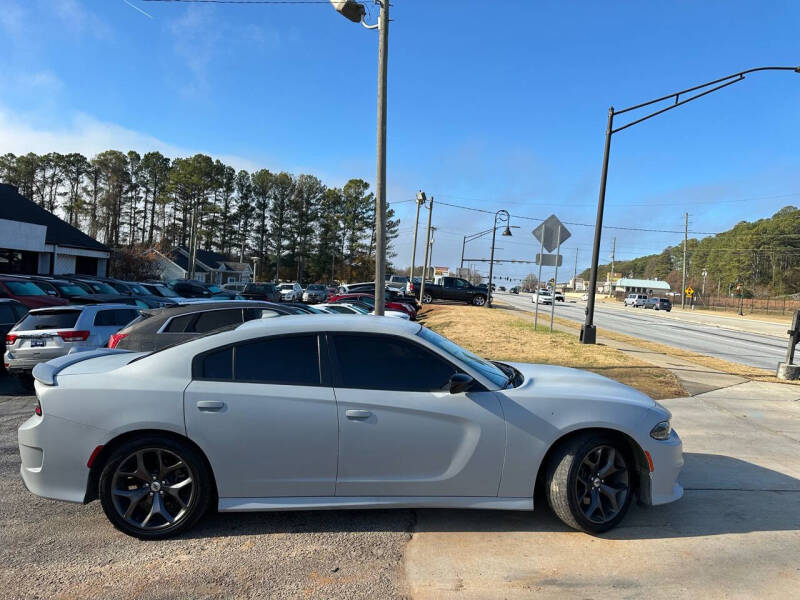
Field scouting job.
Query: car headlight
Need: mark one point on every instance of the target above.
(661, 431)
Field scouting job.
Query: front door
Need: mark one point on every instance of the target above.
(401, 431)
(260, 413)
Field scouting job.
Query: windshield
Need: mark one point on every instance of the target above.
(487, 369)
(286, 286)
(137, 289)
(167, 292)
(215, 289)
(24, 288)
(71, 289)
(316, 287)
(102, 288)
(358, 309)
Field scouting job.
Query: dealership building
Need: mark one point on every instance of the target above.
(35, 241)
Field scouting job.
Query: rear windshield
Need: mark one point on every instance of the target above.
(49, 319)
(137, 289)
(24, 288)
(261, 288)
(215, 289)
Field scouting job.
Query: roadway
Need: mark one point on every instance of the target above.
(727, 343)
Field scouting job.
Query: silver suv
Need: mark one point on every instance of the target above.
(636, 300)
(47, 333)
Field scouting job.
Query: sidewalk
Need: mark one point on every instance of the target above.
(740, 515)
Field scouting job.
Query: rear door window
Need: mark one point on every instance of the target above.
(214, 319)
(286, 360)
(50, 319)
(179, 324)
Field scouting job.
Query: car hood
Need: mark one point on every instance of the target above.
(554, 382)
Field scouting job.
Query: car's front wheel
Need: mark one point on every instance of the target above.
(589, 483)
(154, 487)
(479, 300)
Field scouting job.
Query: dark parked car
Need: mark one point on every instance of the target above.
(190, 288)
(159, 328)
(27, 292)
(261, 291)
(658, 304)
(11, 312)
(514, 290)
(454, 288)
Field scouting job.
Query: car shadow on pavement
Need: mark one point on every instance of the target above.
(723, 495)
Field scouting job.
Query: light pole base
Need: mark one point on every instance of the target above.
(789, 372)
(588, 334)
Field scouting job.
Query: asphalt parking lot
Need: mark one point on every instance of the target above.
(736, 533)
(53, 550)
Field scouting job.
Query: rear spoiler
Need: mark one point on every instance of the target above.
(46, 372)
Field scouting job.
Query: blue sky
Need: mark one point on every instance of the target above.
(491, 104)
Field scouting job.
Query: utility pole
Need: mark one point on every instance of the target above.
(380, 179)
(611, 277)
(193, 243)
(539, 279)
(683, 277)
(463, 245)
(575, 275)
(420, 202)
(427, 250)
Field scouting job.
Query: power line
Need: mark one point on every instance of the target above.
(243, 1)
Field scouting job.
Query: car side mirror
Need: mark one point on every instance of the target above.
(460, 382)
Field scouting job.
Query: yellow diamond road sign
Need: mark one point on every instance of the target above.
(689, 291)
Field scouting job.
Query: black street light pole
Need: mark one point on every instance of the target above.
(506, 219)
(588, 331)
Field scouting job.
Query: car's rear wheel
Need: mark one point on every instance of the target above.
(589, 483)
(479, 300)
(154, 487)
(427, 298)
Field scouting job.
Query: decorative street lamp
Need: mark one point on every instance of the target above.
(588, 330)
(355, 11)
(504, 218)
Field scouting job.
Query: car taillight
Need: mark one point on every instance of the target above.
(73, 336)
(116, 339)
(38, 409)
(11, 338)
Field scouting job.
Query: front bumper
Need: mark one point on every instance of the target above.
(667, 458)
(54, 454)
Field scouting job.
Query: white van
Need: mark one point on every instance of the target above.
(636, 300)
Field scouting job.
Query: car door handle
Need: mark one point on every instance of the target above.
(210, 405)
(357, 414)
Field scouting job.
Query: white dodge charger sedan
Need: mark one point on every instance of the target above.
(326, 411)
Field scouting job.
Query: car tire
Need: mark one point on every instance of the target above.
(156, 491)
(427, 298)
(586, 477)
(478, 300)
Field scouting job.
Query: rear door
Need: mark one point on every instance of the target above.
(401, 431)
(265, 418)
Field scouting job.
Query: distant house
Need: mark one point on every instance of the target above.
(210, 267)
(35, 241)
(651, 287)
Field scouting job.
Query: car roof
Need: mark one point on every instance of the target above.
(169, 311)
(82, 307)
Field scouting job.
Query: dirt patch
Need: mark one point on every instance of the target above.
(504, 334)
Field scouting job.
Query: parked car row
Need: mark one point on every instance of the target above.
(643, 301)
